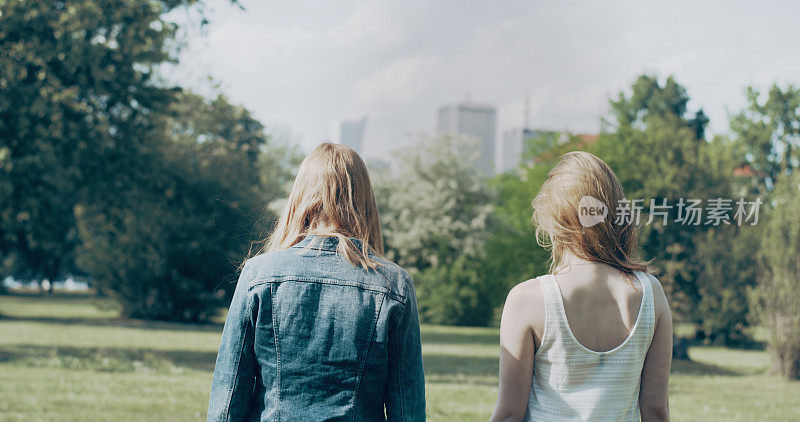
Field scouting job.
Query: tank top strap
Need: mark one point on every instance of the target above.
(647, 320)
(554, 309)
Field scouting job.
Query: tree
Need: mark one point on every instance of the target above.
(437, 206)
(165, 244)
(77, 83)
(767, 143)
(436, 217)
(728, 268)
(104, 165)
(650, 100)
(768, 134)
(776, 299)
(513, 255)
(659, 153)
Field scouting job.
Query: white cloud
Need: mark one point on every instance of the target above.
(398, 83)
(371, 25)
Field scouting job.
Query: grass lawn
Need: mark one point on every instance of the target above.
(68, 358)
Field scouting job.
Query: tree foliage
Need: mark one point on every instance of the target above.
(436, 214)
(776, 299)
(659, 153)
(436, 207)
(152, 190)
(767, 140)
(513, 255)
(768, 134)
(75, 78)
(164, 244)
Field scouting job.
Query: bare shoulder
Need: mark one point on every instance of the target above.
(529, 291)
(659, 297)
(525, 302)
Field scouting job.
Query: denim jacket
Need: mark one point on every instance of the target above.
(310, 337)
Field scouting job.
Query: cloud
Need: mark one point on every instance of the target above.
(370, 25)
(307, 63)
(400, 82)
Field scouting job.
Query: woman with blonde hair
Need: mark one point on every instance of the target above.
(321, 327)
(592, 340)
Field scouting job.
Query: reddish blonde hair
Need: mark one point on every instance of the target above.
(580, 174)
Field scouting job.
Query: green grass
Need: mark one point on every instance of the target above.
(69, 358)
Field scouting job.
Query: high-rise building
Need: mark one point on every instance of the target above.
(513, 146)
(517, 143)
(472, 120)
(351, 133)
(377, 164)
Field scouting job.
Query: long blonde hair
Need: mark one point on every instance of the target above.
(331, 196)
(577, 175)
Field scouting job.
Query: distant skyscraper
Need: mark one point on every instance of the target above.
(512, 147)
(351, 133)
(472, 120)
(515, 142)
(377, 164)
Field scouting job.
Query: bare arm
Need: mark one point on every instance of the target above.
(516, 357)
(653, 393)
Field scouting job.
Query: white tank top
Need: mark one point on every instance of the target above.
(571, 382)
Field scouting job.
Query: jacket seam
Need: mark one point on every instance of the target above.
(238, 359)
(366, 355)
(277, 355)
(400, 366)
(324, 249)
(370, 287)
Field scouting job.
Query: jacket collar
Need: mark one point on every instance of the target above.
(324, 243)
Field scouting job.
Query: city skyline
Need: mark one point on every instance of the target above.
(298, 68)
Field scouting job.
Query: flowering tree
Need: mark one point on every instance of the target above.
(436, 214)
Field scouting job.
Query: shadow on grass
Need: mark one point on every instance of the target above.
(58, 296)
(461, 338)
(107, 359)
(744, 344)
(438, 367)
(37, 311)
(119, 322)
(445, 365)
(684, 367)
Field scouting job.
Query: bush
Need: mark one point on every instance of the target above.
(456, 294)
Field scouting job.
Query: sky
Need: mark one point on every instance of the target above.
(301, 65)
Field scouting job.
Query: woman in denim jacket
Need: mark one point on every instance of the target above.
(321, 327)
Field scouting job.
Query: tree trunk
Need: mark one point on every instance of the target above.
(680, 348)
